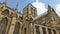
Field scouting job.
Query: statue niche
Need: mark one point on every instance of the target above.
(5, 12)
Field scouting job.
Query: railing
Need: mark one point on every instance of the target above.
(39, 29)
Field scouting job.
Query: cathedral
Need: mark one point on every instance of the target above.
(28, 22)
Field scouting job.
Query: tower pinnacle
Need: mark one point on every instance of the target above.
(5, 2)
(16, 7)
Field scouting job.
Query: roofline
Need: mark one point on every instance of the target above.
(29, 4)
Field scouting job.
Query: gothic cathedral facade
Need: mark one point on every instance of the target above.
(13, 22)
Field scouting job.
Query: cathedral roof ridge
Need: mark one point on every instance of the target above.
(10, 8)
(40, 15)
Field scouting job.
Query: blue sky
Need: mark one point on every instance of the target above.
(41, 3)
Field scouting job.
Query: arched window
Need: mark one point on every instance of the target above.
(44, 30)
(27, 12)
(3, 25)
(54, 31)
(49, 31)
(16, 29)
(5, 12)
(37, 30)
(24, 30)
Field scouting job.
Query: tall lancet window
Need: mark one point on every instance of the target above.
(54, 31)
(16, 29)
(3, 25)
(44, 30)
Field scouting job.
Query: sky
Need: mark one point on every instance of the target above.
(41, 5)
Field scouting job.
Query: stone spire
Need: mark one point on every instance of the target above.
(16, 7)
(49, 8)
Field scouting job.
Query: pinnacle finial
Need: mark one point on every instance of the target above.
(49, 8)
(5, 2)
(16, 7)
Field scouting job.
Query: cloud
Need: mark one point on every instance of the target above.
(58, 9)
(40, 7)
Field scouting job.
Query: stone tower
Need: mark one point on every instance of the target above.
(29, 12)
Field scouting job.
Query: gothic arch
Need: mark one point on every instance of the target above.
(17, 28)
(3, 25)
(5, 12)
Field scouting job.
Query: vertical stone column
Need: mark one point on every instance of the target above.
(20, 29)
(0, 12)
(11, 30)
(34, 30)
(31, 29)
(7, 29)
(52, 32)
(40, 28)
(57, 32)
(47, 31)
